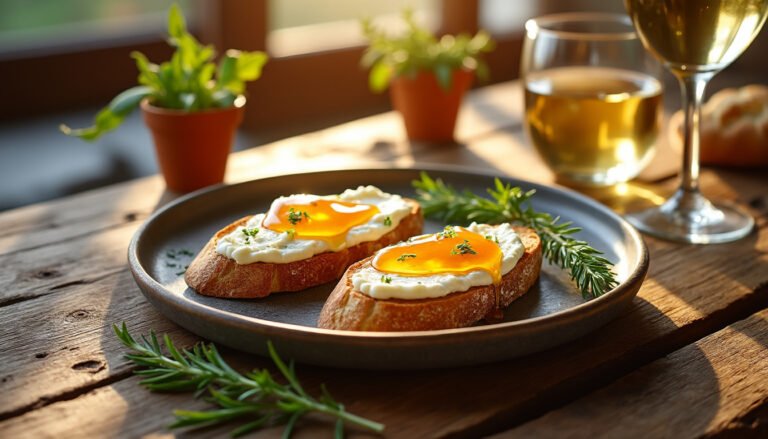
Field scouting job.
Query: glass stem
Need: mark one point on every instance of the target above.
(692, 86)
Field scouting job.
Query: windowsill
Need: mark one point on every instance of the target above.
(38, 162)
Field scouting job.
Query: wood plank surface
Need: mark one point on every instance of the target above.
(671, 312)
(716, 386)
(65, 281)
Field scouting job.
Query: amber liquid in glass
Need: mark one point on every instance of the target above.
(593, 125)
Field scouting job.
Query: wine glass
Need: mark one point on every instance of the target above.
(695, 39)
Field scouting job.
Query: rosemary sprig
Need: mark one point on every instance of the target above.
(588, 269)
(254, 397)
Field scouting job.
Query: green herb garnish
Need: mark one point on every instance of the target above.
(250, 232)
(405, 256)
(386, 279)
(387, 221)
(295, 216)
(492, 238)
(255, 397)
(447, 232)
(463, 248)
(588, 269)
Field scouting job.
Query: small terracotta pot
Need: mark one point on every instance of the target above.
(429, 112)
(192, 147)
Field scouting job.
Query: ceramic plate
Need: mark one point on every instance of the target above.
(552, 313)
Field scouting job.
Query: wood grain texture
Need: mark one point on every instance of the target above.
(55, 345)
(662, 320)
(64, 281)
(704, 389)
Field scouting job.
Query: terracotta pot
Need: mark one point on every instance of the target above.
(429, 112)
(192, 147)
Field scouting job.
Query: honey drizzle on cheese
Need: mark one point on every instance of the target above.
(309, 217)
(455, 251)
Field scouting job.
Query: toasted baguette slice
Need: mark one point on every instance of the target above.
(352, 310)
(212, 274)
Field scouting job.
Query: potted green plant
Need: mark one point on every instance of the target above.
(192, 106)
(427, 77)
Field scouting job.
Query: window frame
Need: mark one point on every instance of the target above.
(284, 101)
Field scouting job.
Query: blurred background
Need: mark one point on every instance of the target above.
(62, 60)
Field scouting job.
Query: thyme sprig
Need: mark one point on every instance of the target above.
(254, 397)
(588, 269)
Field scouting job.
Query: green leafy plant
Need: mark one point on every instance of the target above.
(254, 398)
(588, 269)
(417, 50)
(189, 81)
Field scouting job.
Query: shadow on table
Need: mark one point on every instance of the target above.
(480, 400)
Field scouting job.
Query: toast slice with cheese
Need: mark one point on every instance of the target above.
(213, 274)
(348, 309)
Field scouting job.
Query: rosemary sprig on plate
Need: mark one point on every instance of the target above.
(589, 270)
(254, 397)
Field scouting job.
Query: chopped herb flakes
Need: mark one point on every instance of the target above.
(295, 217)
(447, 232)
(386, 279)
(492, 238)
(463, 249)
(387, 221)
(405, 256)
(251, 232)
(176, 256)
(173, 253)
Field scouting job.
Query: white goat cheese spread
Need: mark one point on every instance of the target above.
(281, 247)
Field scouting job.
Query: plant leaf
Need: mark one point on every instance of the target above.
(112, 115)
(250, 64)
(444, 74)
(227, 71)
(379, 77)
(177, 26)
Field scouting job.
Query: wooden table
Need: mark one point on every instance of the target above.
(688, 359)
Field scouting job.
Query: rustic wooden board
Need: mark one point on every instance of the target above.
(68, 218)
(64, 282)
(54, 347)
(671, 312)
(708, 388)
(47, 270)
(729, 369)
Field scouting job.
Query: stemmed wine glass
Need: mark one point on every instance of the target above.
(695, 39)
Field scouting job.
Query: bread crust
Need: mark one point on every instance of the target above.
(212, 274)
(348, 309)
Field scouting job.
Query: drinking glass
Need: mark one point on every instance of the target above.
(592, 97)
(695, 39)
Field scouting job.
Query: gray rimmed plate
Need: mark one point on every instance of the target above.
(552, 313)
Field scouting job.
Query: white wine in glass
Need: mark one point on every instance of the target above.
(695, 39)
(595, 125)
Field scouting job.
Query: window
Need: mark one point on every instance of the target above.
(305, 26)
(54, 25)
(313, 78)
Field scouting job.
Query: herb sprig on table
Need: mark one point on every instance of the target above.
(254, 397)
(588, 269)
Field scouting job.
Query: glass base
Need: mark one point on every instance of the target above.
(691, 218)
